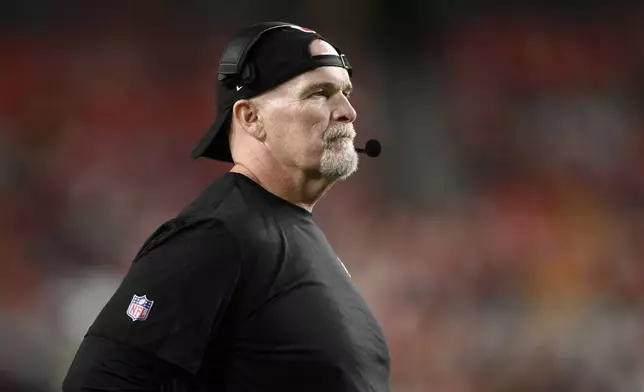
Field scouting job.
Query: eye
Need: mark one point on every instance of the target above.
(321, 93)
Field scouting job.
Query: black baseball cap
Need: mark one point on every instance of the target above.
(258, 59)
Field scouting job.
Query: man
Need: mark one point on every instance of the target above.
(241, 291)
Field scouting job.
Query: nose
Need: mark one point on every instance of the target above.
(344, 111)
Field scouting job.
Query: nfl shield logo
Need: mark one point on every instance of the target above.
(139, 307)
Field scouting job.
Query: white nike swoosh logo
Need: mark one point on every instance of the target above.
(238, 88)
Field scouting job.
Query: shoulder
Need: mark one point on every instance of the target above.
(195, 242)
(176, 292)
(220, 199)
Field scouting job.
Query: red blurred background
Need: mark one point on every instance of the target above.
(499, 238)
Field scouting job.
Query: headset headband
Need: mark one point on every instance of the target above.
(234, 56)
(233, 59)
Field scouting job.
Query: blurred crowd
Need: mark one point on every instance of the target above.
(499, 239)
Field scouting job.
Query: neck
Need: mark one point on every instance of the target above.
(296, 188)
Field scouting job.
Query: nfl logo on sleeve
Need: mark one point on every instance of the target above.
(139, 307)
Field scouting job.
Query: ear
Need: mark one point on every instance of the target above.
(247, 115)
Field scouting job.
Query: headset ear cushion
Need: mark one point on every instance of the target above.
(248, 74)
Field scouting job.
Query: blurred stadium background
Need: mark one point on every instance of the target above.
(499, 238)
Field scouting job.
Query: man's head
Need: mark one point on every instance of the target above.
(294, 113)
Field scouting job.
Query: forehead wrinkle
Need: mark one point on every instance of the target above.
(334, 76)
(292, 90)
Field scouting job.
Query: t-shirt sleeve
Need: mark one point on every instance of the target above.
(103, 365)
(174, 298)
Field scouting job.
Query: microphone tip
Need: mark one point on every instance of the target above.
(373, 148)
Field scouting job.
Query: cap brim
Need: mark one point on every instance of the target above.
(214, 144)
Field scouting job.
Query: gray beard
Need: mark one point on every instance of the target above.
(339, 160)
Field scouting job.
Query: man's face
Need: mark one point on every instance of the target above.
(309, 121)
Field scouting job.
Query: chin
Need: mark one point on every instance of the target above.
(339, 165)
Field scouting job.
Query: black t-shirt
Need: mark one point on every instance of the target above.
(240, 292)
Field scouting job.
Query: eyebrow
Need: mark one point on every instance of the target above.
(327, 86)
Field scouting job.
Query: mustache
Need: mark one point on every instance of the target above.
(338, 131)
